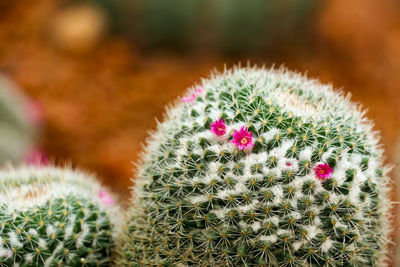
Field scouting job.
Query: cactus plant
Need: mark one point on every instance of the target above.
(17, 130)
(260, 167)
(54, 217)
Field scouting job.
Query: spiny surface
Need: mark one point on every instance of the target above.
(310, 190)
(52, 217)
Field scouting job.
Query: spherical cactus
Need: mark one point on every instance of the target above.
(54, 217)
(260, 167)
(17, 125)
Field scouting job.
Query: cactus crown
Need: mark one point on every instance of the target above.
(260, 168)
(52, 217)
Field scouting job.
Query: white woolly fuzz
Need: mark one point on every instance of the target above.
(48, 182)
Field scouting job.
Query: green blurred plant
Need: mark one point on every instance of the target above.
(18, 123)
(229, 26)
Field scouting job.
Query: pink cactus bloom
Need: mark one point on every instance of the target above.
(199, 90)
(218, 127)
(323, 171)
(105, 198)
(189, 99)
(288, 164)
(193, 96)
(243, 138)
(36, 157)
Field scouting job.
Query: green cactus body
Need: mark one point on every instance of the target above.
(16, 131)
(53, 217)
(201, 201)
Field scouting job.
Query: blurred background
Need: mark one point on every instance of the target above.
(87, 79)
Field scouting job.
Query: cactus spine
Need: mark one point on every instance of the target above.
(260, 167)
(53, 217)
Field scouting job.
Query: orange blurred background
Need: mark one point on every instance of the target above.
(100, 92)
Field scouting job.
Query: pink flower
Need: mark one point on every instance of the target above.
(323, 171)
(36, 157)
(105, 198)
(242, 138)
(218, 127)
(288, 164)
(199, 90)
(193, 96)
(189, 99)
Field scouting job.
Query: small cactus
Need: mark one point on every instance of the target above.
(53, 217)
(260, 167)
(17, 129)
